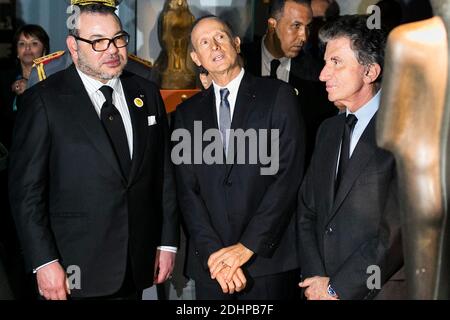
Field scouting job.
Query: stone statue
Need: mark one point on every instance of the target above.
(177, 21)
(413, 123)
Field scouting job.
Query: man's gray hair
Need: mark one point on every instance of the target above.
(368, 44)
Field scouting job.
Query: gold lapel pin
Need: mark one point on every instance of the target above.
(138, 102)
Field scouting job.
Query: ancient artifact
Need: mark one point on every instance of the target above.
(177, 22)
(413, 123)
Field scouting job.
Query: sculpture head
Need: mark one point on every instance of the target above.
(178, 4)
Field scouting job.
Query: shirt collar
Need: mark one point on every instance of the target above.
(232, 86)
(366, 112)
(267, 56)
(92, 85)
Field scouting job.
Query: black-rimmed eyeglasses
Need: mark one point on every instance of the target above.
(103, 44)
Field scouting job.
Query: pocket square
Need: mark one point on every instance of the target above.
(151, 120)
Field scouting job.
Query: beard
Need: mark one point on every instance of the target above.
(95, 71)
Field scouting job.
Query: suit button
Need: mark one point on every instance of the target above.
(229, 182)
(329, 231)
(196, 253)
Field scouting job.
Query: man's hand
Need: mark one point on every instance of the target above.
(317, 288)
(164, 263)
(52, 282)
(233, 257)
(237, 283)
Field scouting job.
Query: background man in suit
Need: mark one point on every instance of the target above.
(280, 54)
(91, 183)
(348, 205)
(239, 222)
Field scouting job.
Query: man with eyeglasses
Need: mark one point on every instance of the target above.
(91, 182)
(47, 65)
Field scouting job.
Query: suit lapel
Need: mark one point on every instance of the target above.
(329, 160)
(139, 122)
(363, 152)
(208, 102)
(82, 109)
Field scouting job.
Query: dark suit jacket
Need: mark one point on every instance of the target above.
(5, 291)
(226, 204)
(304, 76)
(342, 235)
(68, 195)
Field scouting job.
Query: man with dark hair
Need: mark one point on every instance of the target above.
(91, 183)
(60, 60)
(240, 222)
(280, 54)
(349, 222)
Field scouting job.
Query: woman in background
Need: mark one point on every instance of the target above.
(30, 42)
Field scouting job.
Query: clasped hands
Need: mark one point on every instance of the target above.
(225, 266)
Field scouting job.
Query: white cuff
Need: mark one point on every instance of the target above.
(167, 248)
(46, 264)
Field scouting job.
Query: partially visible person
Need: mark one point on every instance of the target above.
(281, 54)
(349, 220)
(204, 78)
(323, 11)
(30, 42)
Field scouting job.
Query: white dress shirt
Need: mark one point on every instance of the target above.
(364, 115)
(266, 57)
(97, 98)
(233, 88)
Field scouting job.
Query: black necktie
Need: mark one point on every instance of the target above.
(274, 64)
(112, 121)
(344, 158)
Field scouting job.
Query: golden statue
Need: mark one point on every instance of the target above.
(413, 123)
(177, 22)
